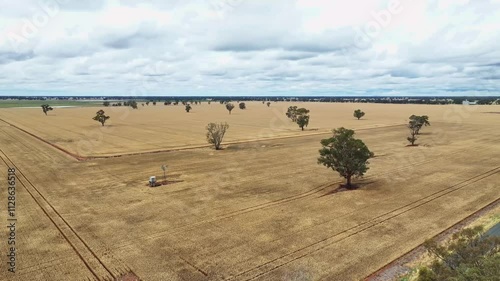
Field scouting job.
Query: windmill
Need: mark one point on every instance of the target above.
(164, 168)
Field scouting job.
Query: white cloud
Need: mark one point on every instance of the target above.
(230, 47)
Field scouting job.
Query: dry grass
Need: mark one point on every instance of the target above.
(488, 220)
(254, 211)
(153, 128)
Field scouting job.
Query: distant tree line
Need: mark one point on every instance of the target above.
(339, 99)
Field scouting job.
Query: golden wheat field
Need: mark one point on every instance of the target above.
(260, 209)
(157, 128)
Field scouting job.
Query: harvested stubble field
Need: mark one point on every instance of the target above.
(158, 128)
(261, 210)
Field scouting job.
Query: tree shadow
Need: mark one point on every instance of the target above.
(163, 183)
(412, 145)
(234, 147)
(344, 188)
(363, 184)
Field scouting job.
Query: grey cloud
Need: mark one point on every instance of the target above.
(244, 46)
(324, 43)
(254, 47)
(296, 56)
(145, 37)
(160, 4)
(404, 74)
(126, 41)
(7, 57)
(218, 73)
(79, 5)
(67, 48)
(496, 64)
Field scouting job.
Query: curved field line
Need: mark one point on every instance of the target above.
(182, 148)
(92, 270)
(367, 206)
(75, 156)
(305, 194)
(375, 223)
(371, 223)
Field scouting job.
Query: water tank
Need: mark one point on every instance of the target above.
(152, 181)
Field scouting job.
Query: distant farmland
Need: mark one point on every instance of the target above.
(157, 128)
(261, 209)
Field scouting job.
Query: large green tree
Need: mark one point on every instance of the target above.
(345, 154)
(292, 113)
(133, 104)
(101, 117)
(299, 116)
(215, 134)
(358, 113)
(413, 126)
(229, 107)
(303, 121)
(46, 108)
(420, 121)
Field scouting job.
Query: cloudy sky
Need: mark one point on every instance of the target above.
(250, 47)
